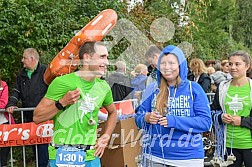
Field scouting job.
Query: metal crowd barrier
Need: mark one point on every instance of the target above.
(22, 110)
(210, 97)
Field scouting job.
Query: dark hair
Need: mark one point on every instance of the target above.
(245, 56)
(153, 49)
(249, 73)
(89, 48)
(208, 62)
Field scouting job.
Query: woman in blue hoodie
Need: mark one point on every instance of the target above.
(174, 113)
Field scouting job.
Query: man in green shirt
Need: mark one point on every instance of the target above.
(73, 102)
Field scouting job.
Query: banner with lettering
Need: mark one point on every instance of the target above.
(25, 134)
(31, 134)
(122, 107)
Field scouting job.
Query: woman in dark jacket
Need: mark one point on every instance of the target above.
(200, 76)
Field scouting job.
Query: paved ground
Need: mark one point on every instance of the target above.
(207, 161)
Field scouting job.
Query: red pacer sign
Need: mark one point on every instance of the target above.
(25, 134)
(122, 107)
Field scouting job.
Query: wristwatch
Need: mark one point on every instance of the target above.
(59, 105)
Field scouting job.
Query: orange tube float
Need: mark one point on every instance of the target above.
(67, 60)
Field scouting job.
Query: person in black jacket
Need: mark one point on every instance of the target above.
(198, 69)
(120, 83)
(30, 88)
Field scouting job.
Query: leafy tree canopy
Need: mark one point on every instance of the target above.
(215, 28)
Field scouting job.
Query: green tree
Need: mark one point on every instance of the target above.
(241, 30)
(210, 21)
(43, 24)
(215, 27)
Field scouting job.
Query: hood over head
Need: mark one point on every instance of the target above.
(183, 70)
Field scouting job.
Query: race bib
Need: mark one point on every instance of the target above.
(70, 157)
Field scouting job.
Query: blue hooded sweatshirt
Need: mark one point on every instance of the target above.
(189, 116)
(138, 83)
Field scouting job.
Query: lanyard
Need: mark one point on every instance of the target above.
(90, 102)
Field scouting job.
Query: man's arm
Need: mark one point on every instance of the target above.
(46, 109)
(14, 98)
(112, 117)
(111, 123)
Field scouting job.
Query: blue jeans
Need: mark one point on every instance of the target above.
(92, 163)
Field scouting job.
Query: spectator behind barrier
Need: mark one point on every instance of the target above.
(138, 83)
(200, 76)
(4, 119)
(30, 89)
(152, 56)
(210, 63)
(217, 77)
(225, 69)
(120, 83)
(210, 70)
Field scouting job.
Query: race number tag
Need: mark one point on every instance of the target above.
(70, 157)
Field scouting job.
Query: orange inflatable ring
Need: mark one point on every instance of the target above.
(67, 60)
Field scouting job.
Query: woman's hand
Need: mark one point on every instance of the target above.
(152, 117)
(227, 118)
(163, 122)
